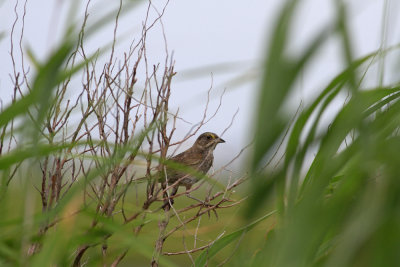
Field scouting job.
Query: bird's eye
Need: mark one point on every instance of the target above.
(208, 137)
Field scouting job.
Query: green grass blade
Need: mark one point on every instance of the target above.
(218, 245)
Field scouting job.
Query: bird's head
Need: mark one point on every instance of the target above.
(208, 141)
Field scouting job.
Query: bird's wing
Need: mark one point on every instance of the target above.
(189, 159)
(186, 158)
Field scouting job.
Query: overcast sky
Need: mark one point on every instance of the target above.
(223, 39)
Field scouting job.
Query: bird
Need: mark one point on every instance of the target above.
(198, 158)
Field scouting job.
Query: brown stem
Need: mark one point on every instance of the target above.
(162, 225)
(79, 254)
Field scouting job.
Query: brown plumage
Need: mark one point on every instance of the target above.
(198, 158)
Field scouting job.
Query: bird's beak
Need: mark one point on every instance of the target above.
(220, 140)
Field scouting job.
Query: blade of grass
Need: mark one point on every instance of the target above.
(218, 245)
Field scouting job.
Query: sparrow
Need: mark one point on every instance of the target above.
(199, 158)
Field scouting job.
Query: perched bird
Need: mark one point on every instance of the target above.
(199, 158)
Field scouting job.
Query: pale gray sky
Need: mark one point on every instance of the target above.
(205, 33)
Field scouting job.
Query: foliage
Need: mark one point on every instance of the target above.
(340, 210)
(343, 210)
(90, 148)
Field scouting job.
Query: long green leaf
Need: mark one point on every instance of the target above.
(218, 245)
